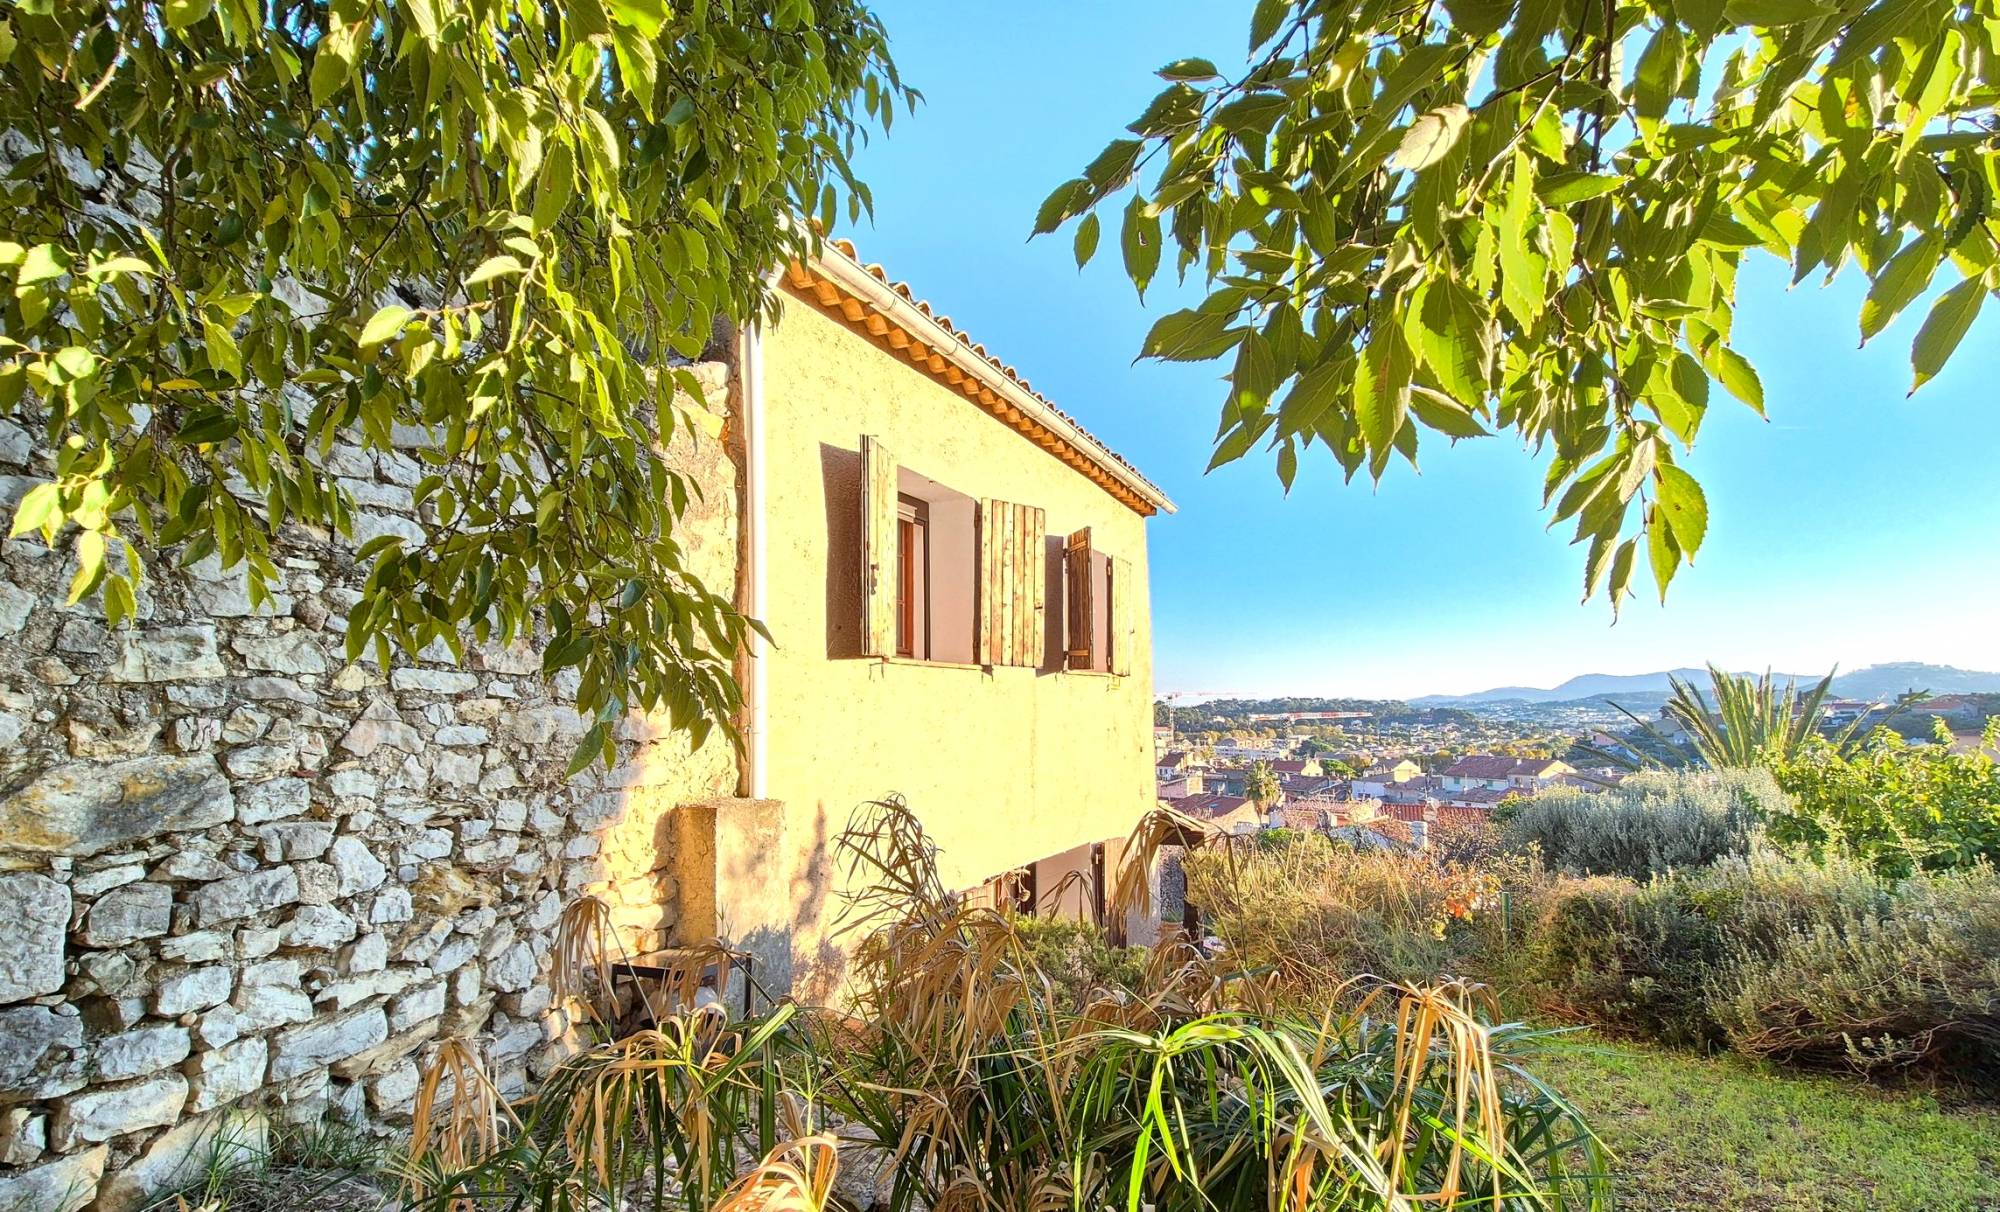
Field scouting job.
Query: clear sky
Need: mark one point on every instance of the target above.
(1854, 527)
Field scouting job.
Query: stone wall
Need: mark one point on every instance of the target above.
(240, 877)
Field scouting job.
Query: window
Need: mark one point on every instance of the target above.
(913, 571)
(1098, 619)
(947, 578)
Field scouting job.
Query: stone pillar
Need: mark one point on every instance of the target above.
(736, 883)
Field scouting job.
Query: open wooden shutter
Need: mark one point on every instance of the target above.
(1078, 599)
(1123, 616)
(879, 555)
(1012, 583)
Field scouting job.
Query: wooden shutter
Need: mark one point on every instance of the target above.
(1123, 616)
(1078, 599)
(1012, 587)
(878, 549)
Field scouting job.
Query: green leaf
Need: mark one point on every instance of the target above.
(1562, 189)
(1658, 73)
(1189, 69)
(41, 506)
(1191, 336)
(1265, 20)
(1444, 414)
(222, 351)
(1113, 165)
(89, 565)
(383, 325)
(1254, 114)
(180, 14)
(1899, 283)
(207, 427)
(1310, 396)
(588, 749)
(43, 262)
(1086, 239)
(1684, 505)
(1737, 376)
(1480, 17)
(1950, 316)
(1455, 340)
(495, 267)
(646, 16)
(1431, 137)
(1382, 390)
(1069, 198)
(1773, 13)
(1139, 239)
(1663, 554)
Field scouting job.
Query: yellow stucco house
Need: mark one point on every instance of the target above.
(953, 573)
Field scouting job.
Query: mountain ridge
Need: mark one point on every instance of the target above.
(1882, 681)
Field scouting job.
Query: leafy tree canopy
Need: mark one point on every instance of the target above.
(1474, 215)
(240, 232)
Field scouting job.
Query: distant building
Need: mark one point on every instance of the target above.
(1377, 779)
(1248, 751)
(1224, 780)
(1181, 787)
(1497, 772)
(1227, 813)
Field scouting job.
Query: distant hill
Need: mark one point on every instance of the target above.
(1872, 682)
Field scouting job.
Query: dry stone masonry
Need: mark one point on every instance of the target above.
(241, 878)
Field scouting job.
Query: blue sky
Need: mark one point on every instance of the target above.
(1854, 527)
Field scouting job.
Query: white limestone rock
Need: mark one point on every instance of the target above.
(139, 1052)
(226, 1074)
(320, 1043)
(34, 914)
(193, 989)
(244, 896)
(66, 1184)
(109, 1112)
(128, 914)
(165, 654)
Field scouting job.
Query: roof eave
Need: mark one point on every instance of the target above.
(890, 308)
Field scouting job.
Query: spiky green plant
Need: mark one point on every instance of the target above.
(1754, 721)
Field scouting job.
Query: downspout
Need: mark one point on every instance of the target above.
(752, 363)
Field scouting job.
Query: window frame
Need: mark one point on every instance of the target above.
(913, 578)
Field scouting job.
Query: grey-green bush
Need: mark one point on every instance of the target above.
(1654, 822)
(1804, 963)
(1827, 966)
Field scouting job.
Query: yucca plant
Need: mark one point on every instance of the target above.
(960, 1077)
(1754, 721)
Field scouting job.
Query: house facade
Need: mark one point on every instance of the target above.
(953, 573)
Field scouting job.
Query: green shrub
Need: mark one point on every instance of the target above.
(1078, 958)
(1780, 957)
(1901, 807)
(1654, 822)
(1631, 958)
(1827, 966)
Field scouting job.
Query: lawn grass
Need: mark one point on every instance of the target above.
(1715, 1133)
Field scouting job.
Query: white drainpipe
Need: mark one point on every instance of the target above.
(752, 363)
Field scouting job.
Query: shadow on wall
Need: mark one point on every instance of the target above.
(840, 473)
